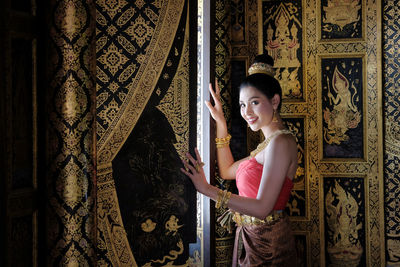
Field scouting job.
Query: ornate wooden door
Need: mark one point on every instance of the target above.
(21, 176)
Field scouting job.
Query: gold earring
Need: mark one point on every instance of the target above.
(274, 117)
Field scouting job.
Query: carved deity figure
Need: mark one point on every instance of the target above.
(289, 82)
(344, 115)
(344, 246)
(283, 43)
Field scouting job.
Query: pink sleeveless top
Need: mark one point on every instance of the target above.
(248, 179)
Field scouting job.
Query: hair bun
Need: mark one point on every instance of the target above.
(262, 64)
(264, 58)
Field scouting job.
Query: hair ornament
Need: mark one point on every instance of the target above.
(260, 67)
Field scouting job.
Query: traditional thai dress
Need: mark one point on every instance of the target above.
(267, 242)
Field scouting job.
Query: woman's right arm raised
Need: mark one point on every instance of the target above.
(226, 164)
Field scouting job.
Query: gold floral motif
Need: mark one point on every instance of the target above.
(140, 31)
(71, 10)
(72, 187)
(112, 7)
(148, 226)
(73, 99)
(113, 59)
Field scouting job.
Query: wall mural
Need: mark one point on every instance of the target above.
(146, 206)
(341, 19)
(342, 107)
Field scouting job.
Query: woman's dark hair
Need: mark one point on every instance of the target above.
(265, 83)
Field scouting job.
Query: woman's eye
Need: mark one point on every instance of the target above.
(254, 102)
(241, 105)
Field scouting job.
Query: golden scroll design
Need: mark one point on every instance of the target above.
(141, 90)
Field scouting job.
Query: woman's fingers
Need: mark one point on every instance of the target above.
(188, 167)
(198, 157)
(213, 94)
(217, 91)
(186, 172)
(192, 160)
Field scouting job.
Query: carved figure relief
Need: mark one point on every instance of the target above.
(345, 114)
(282, 31)
(341, 210)
(342, 107)
(341, 19)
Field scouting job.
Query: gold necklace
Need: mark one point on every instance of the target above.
(265, 143)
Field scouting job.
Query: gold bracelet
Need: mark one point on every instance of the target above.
(219, 199)
(219, 145)
(223, 199)
(226, 200)
(223, 142)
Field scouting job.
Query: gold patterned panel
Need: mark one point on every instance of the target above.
(70, 134)
(143, 78)
(391, 98)
(127, 114)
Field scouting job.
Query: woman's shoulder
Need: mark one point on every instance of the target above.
(285, 138)
(283, 142)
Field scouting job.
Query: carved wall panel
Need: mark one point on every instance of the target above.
(342, 104)
(341, 20)
(344, 216)
(337, 112)
(281, 38)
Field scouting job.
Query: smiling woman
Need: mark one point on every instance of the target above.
(264, 179)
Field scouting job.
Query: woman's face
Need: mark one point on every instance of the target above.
(255, 108)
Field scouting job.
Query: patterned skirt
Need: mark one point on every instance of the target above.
(267, 244)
